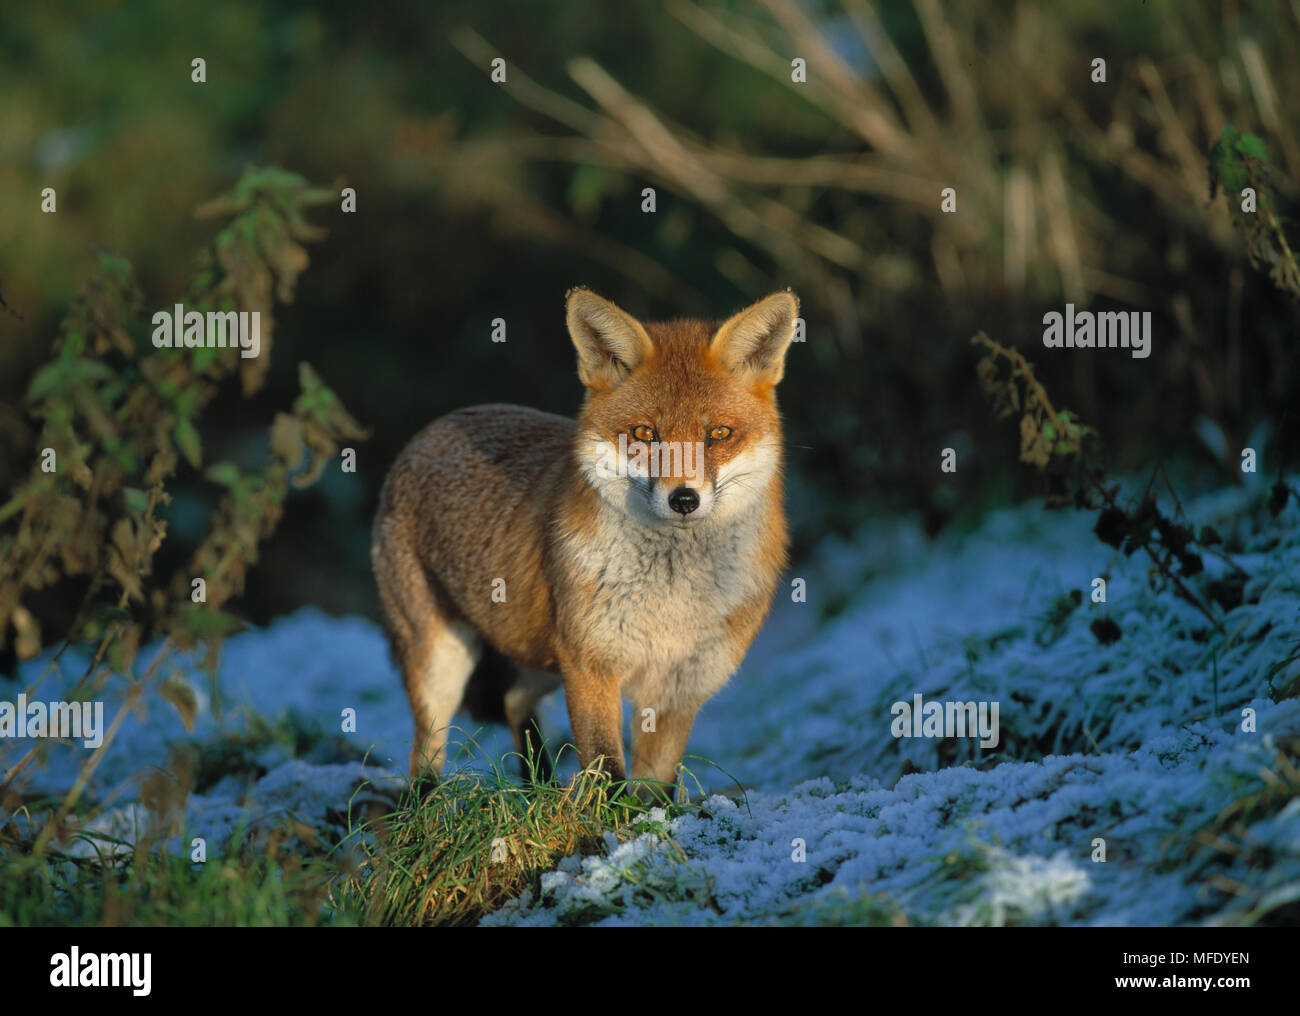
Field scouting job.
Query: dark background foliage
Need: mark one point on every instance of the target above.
(477, 201)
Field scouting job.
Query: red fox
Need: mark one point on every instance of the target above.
(632, 553)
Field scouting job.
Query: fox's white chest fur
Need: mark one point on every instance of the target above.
(661, 599)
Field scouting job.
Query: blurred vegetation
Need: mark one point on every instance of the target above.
(478, 200)
(1066, 454)
(117, 416)
(275, 877)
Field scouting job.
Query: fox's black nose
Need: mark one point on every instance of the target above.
(683, 500)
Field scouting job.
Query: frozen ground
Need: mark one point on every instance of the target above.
(1128, 748)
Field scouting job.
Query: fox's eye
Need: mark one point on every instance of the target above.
(719, 433)
(643, 433)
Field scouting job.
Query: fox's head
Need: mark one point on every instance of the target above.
(680, 421)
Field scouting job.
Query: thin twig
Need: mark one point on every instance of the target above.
(4, 304)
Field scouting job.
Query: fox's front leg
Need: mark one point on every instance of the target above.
(596, 716)
(658, 743)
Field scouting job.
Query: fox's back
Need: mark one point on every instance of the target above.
(473, 492)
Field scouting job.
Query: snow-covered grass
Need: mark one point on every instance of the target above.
(958, 846)
(1162, 753)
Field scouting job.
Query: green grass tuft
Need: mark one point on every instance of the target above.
(456, 848)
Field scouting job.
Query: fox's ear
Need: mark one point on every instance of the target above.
(753, 343)
(610, 341)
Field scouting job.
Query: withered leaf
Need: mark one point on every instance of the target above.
(176, 690)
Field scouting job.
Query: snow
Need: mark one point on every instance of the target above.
(1137, 744)
(1019, 838)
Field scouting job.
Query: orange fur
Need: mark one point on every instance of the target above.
(504, 530)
